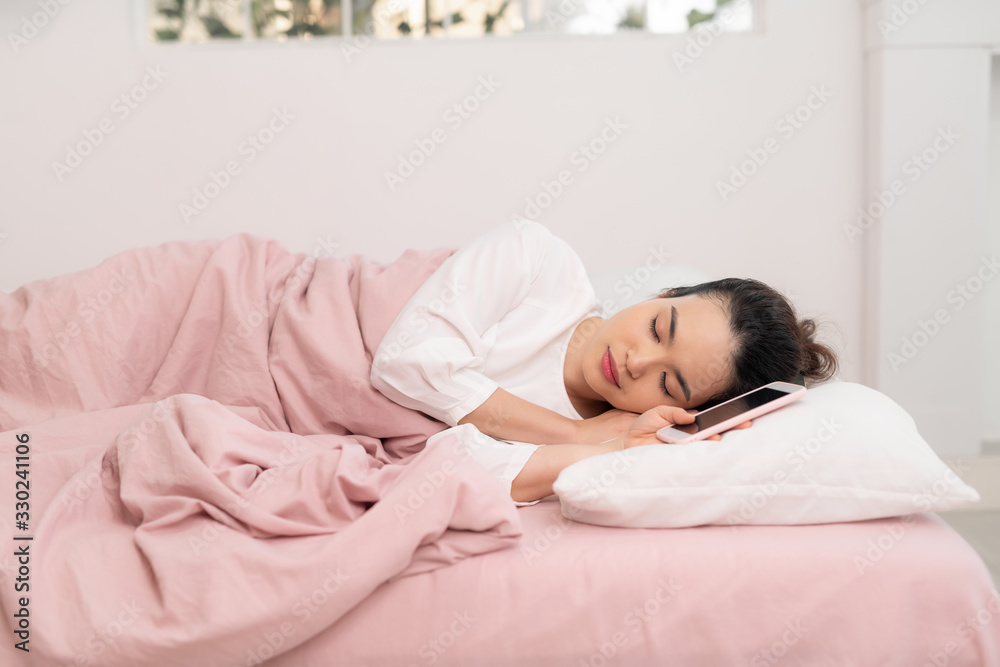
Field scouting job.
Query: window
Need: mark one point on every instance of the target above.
(203, 20)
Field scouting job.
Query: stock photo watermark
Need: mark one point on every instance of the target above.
(899, 15)
(635, 619)
(432, 651)
(796, 458)
(85, 486)
(965, 631)
(423, 491)
(914, 167)
(779, 647)
(544, 538)
(403, 335)
(703, 35)
(925, 501)
(879, 546)
(635, 281)
(566, 9)
(272, 641)
(21, 547)
(455, 117)
(89, 308)
(359, 41)
(632, 284)
(105, 638)
(30, 27)
(290, 455)
(249, 149)
(786, 126)
(926, 330)
(585, 155)
(105, 473)
(122, 107)
(260, 310)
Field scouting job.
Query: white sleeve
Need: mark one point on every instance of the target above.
(504, 460)
(432, 357)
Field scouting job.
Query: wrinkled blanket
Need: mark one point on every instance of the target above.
(205, 474)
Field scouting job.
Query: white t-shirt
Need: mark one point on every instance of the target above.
(498, 313)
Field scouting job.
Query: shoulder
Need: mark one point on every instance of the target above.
(548, 259)
(533, 232)
(518, 246)
(523, 232)
(533, 239)
(521, 251)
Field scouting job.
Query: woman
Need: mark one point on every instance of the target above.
(506, 335)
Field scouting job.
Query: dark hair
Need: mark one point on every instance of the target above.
(771, 343)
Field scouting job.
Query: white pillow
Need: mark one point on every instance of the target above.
(620, 288)
(844, 452)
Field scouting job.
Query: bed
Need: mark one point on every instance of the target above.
(907, 592)
(200, 494)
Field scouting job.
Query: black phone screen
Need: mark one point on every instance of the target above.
(730, 409)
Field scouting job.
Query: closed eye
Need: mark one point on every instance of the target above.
(663, 377)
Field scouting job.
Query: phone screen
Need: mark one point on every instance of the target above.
(724, 411)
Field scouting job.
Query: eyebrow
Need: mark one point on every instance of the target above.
(673, 328)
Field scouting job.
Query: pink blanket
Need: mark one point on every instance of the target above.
(206, 474)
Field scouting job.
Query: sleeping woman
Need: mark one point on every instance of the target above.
(507, 336)
(234, 397)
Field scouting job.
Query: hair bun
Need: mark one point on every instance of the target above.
(819, 362)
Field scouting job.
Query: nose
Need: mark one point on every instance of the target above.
(641, 360)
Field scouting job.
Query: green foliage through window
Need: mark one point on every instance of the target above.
(207, 20)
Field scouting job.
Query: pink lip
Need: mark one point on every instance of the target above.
(608, 366)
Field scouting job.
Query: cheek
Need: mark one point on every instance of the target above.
(647, 398)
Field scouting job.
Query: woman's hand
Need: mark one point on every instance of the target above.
(605, 426)
(643, 430)
(543, 467)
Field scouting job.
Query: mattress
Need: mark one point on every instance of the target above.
(906, 591)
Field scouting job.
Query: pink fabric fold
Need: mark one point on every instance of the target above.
(212, 476)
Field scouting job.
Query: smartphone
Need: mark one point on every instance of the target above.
(733, 412)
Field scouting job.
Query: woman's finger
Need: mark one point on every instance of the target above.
(746, 424)
(672, 415)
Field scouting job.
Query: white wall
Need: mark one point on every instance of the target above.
(933, 276)
(323, 175)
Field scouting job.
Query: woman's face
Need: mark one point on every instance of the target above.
(664, 351)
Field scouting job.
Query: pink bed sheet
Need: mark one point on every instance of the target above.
(193, 460)
(901, 592)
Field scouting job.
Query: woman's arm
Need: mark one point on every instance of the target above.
(539, 474)
(506, 417)
(434, 356)
(541, 470)
(508, 293)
